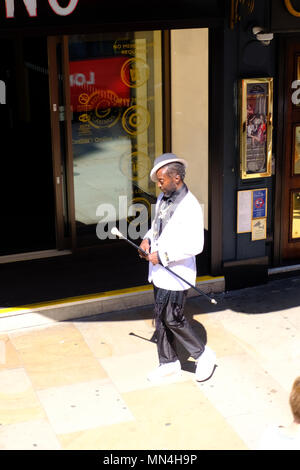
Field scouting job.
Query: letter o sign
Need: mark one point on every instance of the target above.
(63, 11)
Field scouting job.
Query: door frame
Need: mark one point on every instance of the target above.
(283, 107)
(60, 110)
(59, 72)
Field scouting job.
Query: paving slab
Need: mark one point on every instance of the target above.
(81, 384)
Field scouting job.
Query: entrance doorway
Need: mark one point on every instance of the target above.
(107, 129)
(289, 138)
(26, 190)
(84, 119)
(118, 100)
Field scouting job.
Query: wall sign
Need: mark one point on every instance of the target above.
(259, 203)
(62, 14)
(31, 7)
(244, 211)
(252, 213)
(259, 229)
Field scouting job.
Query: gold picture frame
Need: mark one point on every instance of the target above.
(256, 112)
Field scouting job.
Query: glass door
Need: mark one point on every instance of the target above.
(107, 129)
(116, 125)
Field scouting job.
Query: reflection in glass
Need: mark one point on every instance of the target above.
(115, 82)
(297, 150)
(296, 214)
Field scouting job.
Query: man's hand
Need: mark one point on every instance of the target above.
(145, 245)
(153, 258)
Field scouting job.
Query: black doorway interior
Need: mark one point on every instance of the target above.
(27, 192)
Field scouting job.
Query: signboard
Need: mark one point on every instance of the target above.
(244, 211)
(252, 213)
(32, 10)
(259, 203)
(259, 229)
(15, 14)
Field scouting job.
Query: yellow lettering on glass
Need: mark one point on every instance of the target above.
(291, 9)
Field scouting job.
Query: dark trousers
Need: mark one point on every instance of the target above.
(170, 323)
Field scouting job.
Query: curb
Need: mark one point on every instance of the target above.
(27, 316)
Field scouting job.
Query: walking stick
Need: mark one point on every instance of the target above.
(116, 232)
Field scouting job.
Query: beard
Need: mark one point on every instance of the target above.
(170, 190)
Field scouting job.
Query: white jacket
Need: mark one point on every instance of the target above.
(180, 241)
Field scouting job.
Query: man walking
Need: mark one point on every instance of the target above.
(175, 238)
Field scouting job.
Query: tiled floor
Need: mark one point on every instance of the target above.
(82, 384)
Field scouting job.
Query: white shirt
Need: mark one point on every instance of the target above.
(180, 241)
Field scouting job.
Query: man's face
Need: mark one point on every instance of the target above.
(167, 184)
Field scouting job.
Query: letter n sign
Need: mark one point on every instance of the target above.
(29, 4)
(31, 7)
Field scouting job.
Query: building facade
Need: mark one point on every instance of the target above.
(92, 92)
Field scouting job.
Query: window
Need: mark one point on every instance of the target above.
(116, 97)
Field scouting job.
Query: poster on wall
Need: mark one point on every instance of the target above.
(259, 203)
(259, 229)
(256, 104)
(252, 213)
(244, 209)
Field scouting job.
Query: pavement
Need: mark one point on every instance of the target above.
(81, 384)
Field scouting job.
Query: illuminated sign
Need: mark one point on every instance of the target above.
(31, 7)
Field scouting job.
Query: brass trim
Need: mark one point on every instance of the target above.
(244, 173)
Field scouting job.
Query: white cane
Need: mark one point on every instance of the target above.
(116, 232)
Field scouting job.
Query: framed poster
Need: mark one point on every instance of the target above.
(256, 108)
(259, 229)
